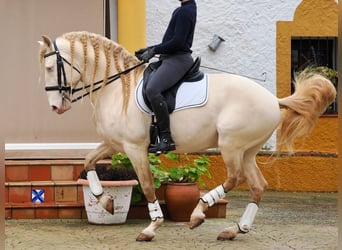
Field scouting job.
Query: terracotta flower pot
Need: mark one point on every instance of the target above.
(121, 192)
(160, 192)
(181, 199)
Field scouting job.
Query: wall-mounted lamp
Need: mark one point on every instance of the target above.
(215, 43)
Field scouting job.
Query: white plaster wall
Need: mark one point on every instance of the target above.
(248, 27)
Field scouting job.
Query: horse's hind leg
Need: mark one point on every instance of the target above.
(257, 185)
(233, 160)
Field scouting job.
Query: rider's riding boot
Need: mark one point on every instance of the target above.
(165, 144)
(161, 112)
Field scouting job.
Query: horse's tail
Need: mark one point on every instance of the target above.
(300, 111)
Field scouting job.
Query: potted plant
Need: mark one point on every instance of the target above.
(121, 160)
(138, 209)
(183, 181)
(117, 183)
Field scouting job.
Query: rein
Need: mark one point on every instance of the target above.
(67, 88)
(109, 80)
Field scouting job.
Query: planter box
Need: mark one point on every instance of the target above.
(218, 210)
(121, 191)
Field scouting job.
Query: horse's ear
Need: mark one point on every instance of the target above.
(47, 41)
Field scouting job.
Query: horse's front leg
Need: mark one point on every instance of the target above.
(209, 199)
(103, 151)
(142, 167)
(157, 220)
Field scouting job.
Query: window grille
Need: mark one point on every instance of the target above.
(315, 52)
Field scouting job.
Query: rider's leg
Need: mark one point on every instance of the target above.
(161, 112)
(171, 70)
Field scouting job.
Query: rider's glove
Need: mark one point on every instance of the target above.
(140, 51)
(145, 54)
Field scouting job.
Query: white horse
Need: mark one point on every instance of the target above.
(238, 118)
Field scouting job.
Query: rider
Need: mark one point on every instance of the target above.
(175, 56)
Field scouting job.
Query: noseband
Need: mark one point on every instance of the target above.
(67, 88)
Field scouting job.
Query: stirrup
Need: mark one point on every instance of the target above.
(163, 146)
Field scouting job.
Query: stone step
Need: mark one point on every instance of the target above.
(46, 210)
(76, 210)
(43, 170)
(43, 199)
(64, 200)
(63, 197)
(43, 191)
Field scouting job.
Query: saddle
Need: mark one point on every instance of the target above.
(192, 75)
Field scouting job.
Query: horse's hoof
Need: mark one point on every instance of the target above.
(144, 237)
(107, 203)
(226, 235)
(195, 223)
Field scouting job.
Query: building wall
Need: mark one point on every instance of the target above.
(26, 115)
(131, 24)
(313, 18)
(250, 48)
(249, 30)
(312, 172)
(31, 128)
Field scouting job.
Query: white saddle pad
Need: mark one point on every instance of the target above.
(189, 95)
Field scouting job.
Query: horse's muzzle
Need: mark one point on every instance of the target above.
(63, 108)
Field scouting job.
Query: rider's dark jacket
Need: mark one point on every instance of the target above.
(179, 34)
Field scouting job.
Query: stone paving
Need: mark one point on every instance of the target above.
(285, 220)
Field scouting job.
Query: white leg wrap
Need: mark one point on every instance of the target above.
(155, 210)
(247, 218)
(94, 183)
(214, 195)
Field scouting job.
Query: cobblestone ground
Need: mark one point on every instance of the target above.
(284, 221)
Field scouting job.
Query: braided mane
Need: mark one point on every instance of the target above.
(113, 52)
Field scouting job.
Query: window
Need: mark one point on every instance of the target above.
(314, 52)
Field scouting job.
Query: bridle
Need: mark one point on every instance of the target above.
(63, 87)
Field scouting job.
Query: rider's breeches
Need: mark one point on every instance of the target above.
(171, 70)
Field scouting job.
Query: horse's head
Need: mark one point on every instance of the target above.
(57, 74)
(84, 57)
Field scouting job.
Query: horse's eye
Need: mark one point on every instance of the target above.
(49, 69)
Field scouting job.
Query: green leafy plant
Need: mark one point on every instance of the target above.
(329, 73)
(188, 171)
(185, 171)
(121, 160)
